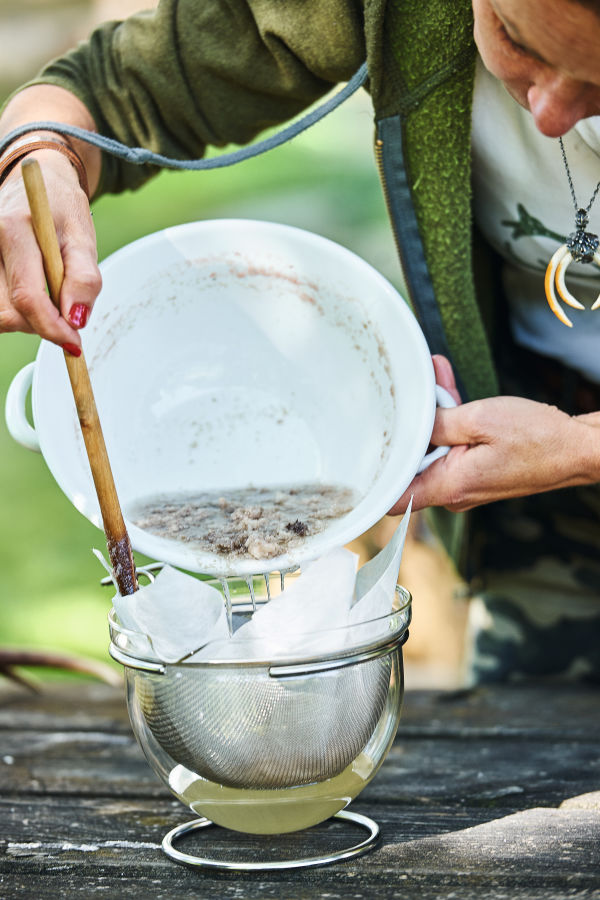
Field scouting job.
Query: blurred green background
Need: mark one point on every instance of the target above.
(325, 181)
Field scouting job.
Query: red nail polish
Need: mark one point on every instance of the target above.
(78, 315)
(73, 349)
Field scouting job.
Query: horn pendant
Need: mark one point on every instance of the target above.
(581, 246)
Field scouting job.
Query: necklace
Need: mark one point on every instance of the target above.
(581, 246)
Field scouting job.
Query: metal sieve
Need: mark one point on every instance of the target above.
(272, 724)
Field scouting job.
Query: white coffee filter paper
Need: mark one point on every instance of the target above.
(177, 612)
(182, 615)
(294, 623)
(376, 580)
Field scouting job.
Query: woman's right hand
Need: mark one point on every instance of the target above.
(24, 304)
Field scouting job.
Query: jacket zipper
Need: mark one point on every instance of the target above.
(391, 165)
(386, 194)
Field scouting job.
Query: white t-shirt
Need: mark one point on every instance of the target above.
(521, 197)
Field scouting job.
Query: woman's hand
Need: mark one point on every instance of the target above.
(503, 447)
(24, 303)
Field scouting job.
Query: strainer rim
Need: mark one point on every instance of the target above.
(394, 638)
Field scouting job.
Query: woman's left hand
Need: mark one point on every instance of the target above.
(503, 447)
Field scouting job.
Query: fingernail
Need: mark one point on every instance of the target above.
(73, 349)
(78, 315)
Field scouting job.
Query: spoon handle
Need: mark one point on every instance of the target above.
(117, 539)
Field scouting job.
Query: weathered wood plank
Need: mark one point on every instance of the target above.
(484, 772)
(25, 821)
(79, 705)
(487, 771)
(500, 711)
(198, 886)
(74, 762)
(510, 711)
(536, 850)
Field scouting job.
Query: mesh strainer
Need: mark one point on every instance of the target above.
(275, 724)
(240, 726)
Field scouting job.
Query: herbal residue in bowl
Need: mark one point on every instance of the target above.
(259, 523)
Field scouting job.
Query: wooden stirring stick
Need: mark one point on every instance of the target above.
(117, 539)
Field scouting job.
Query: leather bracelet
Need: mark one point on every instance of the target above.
(8, 163)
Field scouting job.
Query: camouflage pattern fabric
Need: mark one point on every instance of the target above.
(535, 561)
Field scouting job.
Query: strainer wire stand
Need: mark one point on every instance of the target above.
(365, 846)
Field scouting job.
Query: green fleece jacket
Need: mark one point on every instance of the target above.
(194, 73)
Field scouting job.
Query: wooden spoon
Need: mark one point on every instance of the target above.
(117, 539)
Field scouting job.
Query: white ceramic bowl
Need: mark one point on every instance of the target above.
(233, 352)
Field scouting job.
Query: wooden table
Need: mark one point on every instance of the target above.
(494, 794)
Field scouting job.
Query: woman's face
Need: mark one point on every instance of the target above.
(547, 53)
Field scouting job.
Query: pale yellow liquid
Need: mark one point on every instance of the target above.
(272, 811)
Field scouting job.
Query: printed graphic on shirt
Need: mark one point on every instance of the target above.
(527, 226)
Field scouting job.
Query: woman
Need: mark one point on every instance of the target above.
(200, 72)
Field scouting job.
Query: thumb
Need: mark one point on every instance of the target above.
(444, 376)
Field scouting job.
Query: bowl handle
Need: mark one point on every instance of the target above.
(444, 399)
(14, 411)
